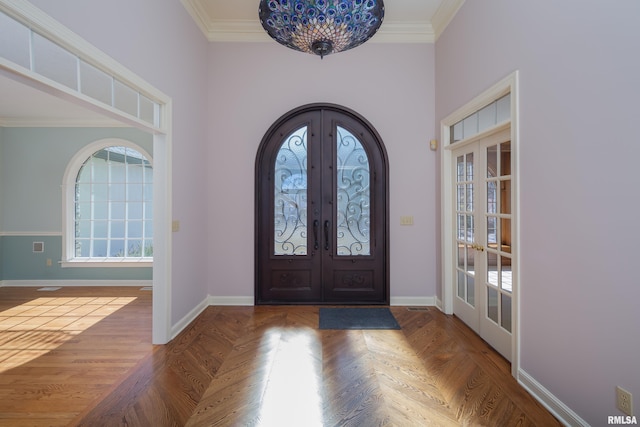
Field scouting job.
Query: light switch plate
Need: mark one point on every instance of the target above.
(406, 220)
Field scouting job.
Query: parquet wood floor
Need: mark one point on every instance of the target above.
(236, 366)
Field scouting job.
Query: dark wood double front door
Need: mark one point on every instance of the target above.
(321, 210)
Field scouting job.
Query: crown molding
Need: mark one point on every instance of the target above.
(444, 15)
(390, 32)
(404, 32)
(237, 31)
(198, 14)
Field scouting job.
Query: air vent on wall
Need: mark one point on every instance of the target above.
(38, 246)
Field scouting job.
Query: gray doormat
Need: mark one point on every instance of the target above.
(357, 318)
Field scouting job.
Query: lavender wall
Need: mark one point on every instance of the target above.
(160, 42)
(579, 80)
(216, 133)
(252, 85)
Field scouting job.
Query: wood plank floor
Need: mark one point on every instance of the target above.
(61, 351)
(82, 357)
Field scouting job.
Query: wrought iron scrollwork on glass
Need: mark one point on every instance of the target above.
(290, 195)
(354, 196)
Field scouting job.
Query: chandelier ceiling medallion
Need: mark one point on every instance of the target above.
(321, 27)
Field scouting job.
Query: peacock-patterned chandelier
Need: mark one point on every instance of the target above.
(321, 27)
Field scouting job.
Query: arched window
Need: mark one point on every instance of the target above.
(108, 206)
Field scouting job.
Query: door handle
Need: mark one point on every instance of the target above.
(327, 225)
(316, 223)
(478, 247)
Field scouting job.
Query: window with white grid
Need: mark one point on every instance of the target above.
(112, 207)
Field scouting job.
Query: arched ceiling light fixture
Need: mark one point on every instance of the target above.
(321, 27)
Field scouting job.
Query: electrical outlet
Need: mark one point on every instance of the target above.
(624, 401)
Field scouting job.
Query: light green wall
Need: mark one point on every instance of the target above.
(2, 177)
(19, 262)
(2, 180)
(32, 166)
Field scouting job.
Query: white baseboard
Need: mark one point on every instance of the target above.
(71, 283)
(188, 318)
(217, 300)
(249, 300)
(561, 411)
(413, 301)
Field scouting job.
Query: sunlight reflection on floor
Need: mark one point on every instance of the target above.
(32, 329)
(293, 395)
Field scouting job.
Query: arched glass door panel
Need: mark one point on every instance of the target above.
(321, 210)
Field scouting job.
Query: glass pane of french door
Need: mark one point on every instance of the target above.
(498, 283)
(465, 228)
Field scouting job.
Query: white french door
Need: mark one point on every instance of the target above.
(483, 238)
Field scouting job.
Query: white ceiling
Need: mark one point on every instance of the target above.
(408, 21)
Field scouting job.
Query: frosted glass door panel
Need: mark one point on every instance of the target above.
(354, 199)
(290, 195)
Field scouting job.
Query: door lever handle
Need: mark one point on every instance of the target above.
(316, 223)
(478, 247)
(327, 225)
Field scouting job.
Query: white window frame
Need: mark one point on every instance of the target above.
(68, 209)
